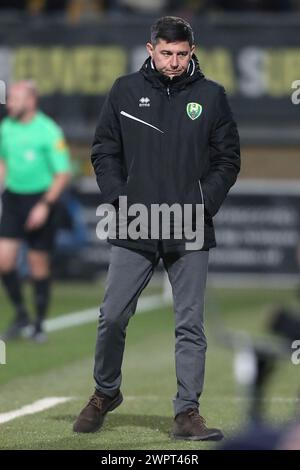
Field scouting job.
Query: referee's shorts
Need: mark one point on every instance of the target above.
(15, 210)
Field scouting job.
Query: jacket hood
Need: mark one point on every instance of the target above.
(158, 80)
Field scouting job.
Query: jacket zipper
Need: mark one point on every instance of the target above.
(168, 92)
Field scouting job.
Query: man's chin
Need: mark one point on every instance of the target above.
(174, 74)
(15, 115)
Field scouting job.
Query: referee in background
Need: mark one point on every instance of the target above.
(34, 169)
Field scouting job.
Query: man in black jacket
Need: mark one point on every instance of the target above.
(166, 136)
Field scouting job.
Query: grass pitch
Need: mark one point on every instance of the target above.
(63, 367)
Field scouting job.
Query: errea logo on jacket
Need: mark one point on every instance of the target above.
(144, 102)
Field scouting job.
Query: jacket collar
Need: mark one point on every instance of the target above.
(161, 81)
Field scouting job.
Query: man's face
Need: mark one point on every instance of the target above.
(171, 58)
(19, 101)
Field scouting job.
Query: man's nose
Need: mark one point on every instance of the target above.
(174, 62)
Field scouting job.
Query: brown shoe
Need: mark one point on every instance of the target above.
(92, 416)
(190, 426)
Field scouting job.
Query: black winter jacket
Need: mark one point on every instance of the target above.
(148, 148)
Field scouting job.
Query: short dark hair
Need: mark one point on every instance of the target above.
(171, 29)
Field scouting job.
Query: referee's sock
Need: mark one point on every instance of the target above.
(41, 299)
(12, 284)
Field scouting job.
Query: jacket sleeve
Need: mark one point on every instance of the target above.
(107, 154)
(224, 156)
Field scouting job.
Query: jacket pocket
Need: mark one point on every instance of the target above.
(207, 216)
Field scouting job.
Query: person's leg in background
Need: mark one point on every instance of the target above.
(39, 264)
(40, 247)
(11, 282)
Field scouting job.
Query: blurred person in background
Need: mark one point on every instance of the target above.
(34, 169)
(34, 7)
(166, 134)
(78, 10)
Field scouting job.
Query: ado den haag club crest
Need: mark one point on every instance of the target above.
(193, 110)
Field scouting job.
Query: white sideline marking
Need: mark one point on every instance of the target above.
(36, 407)
(87, 316)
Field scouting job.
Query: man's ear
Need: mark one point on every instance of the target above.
(193, 49)
(149, 48)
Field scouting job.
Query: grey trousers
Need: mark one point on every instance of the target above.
(128, 274)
